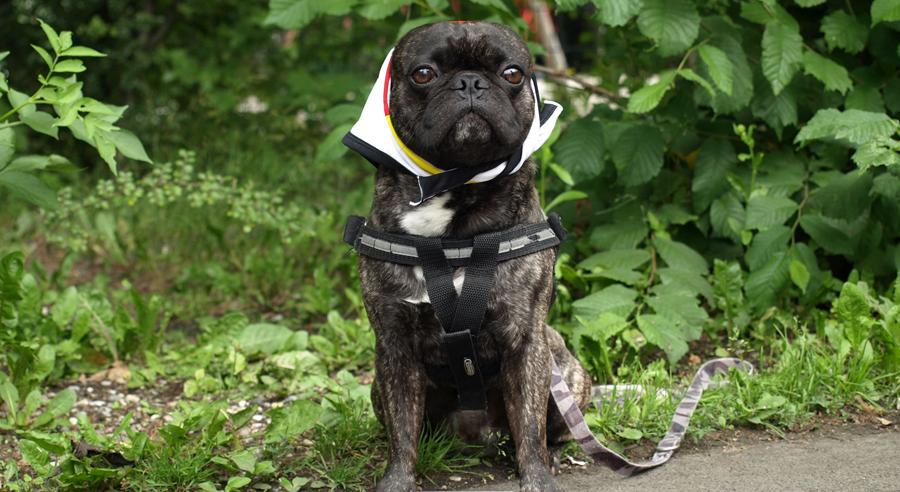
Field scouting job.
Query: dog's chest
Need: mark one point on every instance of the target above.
(430, 219)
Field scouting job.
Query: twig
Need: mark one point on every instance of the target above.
(585, 85)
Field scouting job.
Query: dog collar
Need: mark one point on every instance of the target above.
(373, 136)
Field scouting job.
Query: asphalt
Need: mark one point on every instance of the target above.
(835, 461)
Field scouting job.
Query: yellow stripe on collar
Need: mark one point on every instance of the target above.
(422, 163)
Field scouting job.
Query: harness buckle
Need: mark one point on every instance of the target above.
(469, 366)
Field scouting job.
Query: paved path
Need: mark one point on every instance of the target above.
(839, 461)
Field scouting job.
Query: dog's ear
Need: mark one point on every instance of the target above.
(460, 92)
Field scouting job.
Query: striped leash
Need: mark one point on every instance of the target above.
(568, 407)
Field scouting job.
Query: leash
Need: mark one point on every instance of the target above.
(568, 408)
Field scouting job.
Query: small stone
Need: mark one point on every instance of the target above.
(455, 478)
(89, 389)
(258, 418)
(167, 418)
(132, 398)
(73, 421)
(106, 382)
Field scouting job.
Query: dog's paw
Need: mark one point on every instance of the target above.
(541, 481)
(396, 481)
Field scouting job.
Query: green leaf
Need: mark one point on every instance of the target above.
(41, 122)
(562, 174)
(44, 55)
(379, 9)
(729, 41)
(3, 55)
(630, 433)
(782, 48)
(331, 148)
(619, 235)
(56, 407)
(828, 234)
(580, 149)
(82, 51)
(51, 34)
(10, 396)
(70, 66)
(566, 196)
(29, 188)
(622, 258)
(129, 145)
(844, 31)
(617, 13)
(496, 4)
(638, 154)
(691, 75)
(236, 483)
(682, 308)
(680, 256)
(852, 125)
(778, 111)
(880, 152)
(672, 24)
(244, 459)
(36, 456)
(719, 66)
(726, 215)
(686, 281)
(263, 338)
(809, 3)
(715, 159)
(616, 299)
(648, 97)
(834, 76)
(766, 244)
(767, 211)
(885, 11)
(662, 332)
(865, 98)
(293, 14)
(847, 196)
(7, 146)
(292, 420)
(799, 274)
(764, 284)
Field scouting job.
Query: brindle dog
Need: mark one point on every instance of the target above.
(457, 99)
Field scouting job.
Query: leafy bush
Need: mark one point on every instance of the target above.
(88, 119)
(761, 138)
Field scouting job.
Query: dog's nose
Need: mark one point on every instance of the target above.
(470, 85)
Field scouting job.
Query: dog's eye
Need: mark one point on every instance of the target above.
(513, 75)
(423, 75)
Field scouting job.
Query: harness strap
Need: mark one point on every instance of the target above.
(568, 408)
(460, 316)
(403, 249)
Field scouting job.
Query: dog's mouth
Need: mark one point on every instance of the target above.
(471, 129)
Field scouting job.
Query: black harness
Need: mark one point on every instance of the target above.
(460, 316)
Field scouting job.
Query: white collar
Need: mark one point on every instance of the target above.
(373, 136)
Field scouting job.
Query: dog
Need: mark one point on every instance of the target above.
(460, 95)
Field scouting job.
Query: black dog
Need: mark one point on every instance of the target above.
(460, 96)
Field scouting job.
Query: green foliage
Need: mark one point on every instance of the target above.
(88, 119)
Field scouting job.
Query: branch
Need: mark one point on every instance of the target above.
(585, 85)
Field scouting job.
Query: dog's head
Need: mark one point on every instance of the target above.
(461, 93)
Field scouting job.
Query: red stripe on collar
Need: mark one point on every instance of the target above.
(387, 84)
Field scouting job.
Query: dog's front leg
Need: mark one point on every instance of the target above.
(526, 383)
(400, 384)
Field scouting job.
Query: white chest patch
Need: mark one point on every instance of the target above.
(429, 219)
(459, 276)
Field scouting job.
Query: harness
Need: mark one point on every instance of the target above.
(460, 316)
